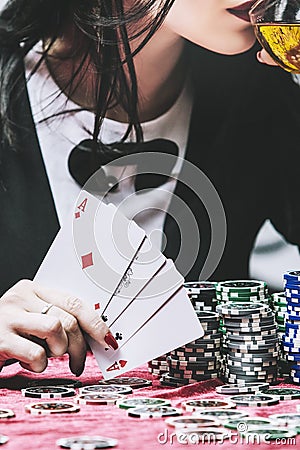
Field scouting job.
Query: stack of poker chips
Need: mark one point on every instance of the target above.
(291, 338)
(251, 342)
(279, 306)
(158, 366)
(198, 360)
(202, 295)
(240, 291)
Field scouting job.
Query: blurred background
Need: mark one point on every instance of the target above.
(272, 255)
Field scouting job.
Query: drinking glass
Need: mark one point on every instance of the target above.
(277, 27)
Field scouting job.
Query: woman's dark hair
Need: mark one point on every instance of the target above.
(104, 33)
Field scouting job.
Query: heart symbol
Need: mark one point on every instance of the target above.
(122, 362)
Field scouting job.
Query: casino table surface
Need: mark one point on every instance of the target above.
(31, 432)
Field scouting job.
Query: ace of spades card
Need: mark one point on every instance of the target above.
(106, 260)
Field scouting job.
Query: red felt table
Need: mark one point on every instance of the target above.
(30, 432)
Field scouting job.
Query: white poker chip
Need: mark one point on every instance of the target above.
(106, 389)
(200, 404)
(6, 413)
(87, 442)
(153, 412)
(99, 398)
(3, 439)
(249, 388)
(54, 407)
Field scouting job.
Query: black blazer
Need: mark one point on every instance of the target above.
(244, 135)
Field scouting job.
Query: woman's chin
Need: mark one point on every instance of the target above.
(240, 44)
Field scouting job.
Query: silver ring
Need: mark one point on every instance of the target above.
(46, 308)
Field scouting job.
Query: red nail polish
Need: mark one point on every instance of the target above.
(110, 340)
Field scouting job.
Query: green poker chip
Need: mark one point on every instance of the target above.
(142, 401)
(283, 393)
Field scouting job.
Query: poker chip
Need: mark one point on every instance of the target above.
(221, 414)
(3, 439)
(99, 399)
(65, 382)
(133, 382)
(269, 432)
(249, 388)
(191, 422)
(283, 393)
(201, 435)
(241, 309)
(254, 400)
(134, 402)
(200, 404)
(246, 422)
(106, 389)
(292, 276)
(290, 420)
(243, 286)
(6, 413)
(48, 392)
(51, 408)
(87, 442)
(152, 412)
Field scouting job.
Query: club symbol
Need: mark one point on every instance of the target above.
(119, 336)
(104, 318)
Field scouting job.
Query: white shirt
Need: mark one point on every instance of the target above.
(59, 135)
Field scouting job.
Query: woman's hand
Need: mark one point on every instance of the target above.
(30, 336)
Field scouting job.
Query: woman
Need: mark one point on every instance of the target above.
(109, 71)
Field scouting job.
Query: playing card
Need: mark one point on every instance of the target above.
(141, 308)
(61, 270)
(174, 325)
(105, 241)
(145, 265)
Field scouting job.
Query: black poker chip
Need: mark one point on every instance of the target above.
(133, 382)
(48, 392)
(85, 442)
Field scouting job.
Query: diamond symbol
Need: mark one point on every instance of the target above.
(97, 306)
(77, 215)
(87, 260)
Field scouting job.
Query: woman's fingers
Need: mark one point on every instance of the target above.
(27, 352)
(58, 329)
(47, 328)
(76, 341)
(265, 58)
(88, 319)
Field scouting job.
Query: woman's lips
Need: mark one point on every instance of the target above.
(242, 11)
